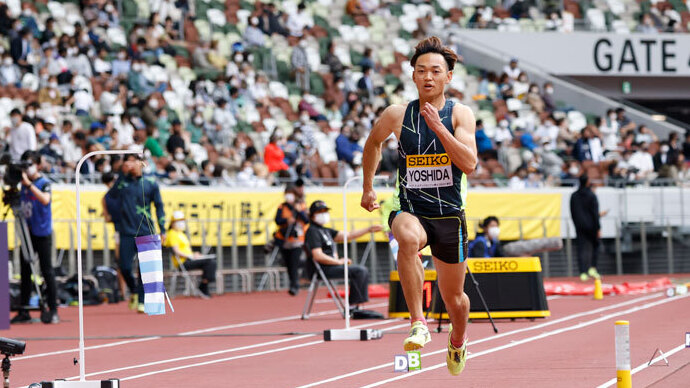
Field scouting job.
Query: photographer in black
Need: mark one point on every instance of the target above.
(36, 198)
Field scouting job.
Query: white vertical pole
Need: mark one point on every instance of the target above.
(345, 232)
(82, 361)
(623, 379)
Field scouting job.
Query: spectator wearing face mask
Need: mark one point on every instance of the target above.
(665, 161)
(177, 240)
(10, 75)
(291, 219)
(347, 144)
(549, 102)
(487, 244)
(300, 64)
(253, 36)
(22, 137)
(320, 245)
(50, 94)
(273, 155)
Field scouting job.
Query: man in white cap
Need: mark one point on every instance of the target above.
(184, 256)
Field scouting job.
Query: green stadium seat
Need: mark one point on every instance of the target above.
(316, 84)
(348, 20)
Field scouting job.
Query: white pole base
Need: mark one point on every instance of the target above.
(114, 383)
(352, 334)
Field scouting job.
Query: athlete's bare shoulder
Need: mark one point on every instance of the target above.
(394, 112)
(463, 116)
(390, 121)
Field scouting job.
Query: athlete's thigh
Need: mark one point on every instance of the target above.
(451, 277)
(405, 224)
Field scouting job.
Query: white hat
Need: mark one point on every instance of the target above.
(178, 215)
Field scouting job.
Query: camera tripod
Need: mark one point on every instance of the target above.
(21, 229)
(6, 365)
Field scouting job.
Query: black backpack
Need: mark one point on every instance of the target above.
(108, 284)
(68, 292)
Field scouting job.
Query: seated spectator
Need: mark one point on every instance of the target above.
(389, 157)
(274, 157)
(512, 70)
(588, 146)
(645, 135)
(566, 138)
(665, 161)
(177, 139)
(641, 163)
(625, 125)
(298, 21)
(177, 240)
(354, 8)
(548, 134)
(485, 146)
(320, 246)
(365, 85)
(609, 133)
(347, 144)
(571, 174)
(646, 25)
(21, 136)
(10, 74)
(306, 104)
(535, 100)
(486, 243)
(686, 147)
(253, 36)
(549, 102)
(519, 180)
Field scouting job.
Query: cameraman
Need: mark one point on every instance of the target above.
(35, 200)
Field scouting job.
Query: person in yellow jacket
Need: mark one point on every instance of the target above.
(184, 256)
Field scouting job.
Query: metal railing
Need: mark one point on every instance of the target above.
(635, 246)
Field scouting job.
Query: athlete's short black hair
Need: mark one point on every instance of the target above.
(434, 45)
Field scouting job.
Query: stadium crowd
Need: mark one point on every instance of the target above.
(249, 94)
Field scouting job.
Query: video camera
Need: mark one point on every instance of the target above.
(10, 347)
(12, 179)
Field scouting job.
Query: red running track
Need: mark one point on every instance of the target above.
(245, 346)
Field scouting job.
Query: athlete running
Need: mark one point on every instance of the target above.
(437, 149)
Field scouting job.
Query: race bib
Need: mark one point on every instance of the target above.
(427, 171)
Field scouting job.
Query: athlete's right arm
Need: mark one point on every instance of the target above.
(389, 122)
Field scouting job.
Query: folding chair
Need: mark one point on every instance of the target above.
(190, 286)
(317, 277)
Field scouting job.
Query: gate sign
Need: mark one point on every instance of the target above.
(590, 53)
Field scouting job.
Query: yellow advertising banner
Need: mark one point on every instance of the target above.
(253, 214)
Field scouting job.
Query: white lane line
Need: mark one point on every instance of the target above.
(552, 297)
(645, 365)
(271, 320)
(218, 328)
(530, 328)
(229, 351)
(534, 338)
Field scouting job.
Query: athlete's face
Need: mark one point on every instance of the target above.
(431, 75)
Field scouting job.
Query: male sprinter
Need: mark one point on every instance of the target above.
(437, 149)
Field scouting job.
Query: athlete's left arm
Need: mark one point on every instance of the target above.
(461, 146)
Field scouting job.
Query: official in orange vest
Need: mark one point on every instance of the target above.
(292, 220)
